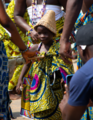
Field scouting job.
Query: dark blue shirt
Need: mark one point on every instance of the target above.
(81, 85)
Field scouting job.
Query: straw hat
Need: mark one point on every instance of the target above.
(48, 21)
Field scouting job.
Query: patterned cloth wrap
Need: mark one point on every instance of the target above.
(83, 20)
(4, 79)
(41, 92)
(12, 50)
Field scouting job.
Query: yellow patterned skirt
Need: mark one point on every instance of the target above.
(51, 114)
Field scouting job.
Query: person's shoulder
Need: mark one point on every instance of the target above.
(87, 68)
(77, 77)
(84, 73)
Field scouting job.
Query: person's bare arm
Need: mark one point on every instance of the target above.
(23, 72)
(19, 11)
(25, 69)
(73, 112)
(73, 8)
(70, 112)
(26, 66)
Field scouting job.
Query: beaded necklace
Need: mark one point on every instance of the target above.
(34, 9)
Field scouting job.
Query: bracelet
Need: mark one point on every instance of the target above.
(23, 51)
(29, 31)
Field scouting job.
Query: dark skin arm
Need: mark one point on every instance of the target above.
(23, 72)
(70, 112)
(73, 8)
(20, 9)
(25, 69)
(72, 11)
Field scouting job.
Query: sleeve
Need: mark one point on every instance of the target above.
(79, 92)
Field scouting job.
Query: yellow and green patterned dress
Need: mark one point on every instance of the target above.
(42, 91)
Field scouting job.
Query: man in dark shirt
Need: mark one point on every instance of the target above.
(75, 103)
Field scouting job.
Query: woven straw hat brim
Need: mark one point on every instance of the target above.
(47, 25)
(48, 21)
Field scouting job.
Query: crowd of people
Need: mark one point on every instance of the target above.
(47, 28)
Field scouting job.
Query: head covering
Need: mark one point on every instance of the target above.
(84, 36)
(48, 21)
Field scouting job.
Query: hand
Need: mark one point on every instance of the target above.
(34, 36)
(64, 100)
(65, 51)
(28, 54)
(19, 85)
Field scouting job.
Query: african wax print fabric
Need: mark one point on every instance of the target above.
(42, 90)
(90, 112)
(4, 79)
(84, 19)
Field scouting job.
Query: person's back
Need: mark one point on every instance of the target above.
(83, 78)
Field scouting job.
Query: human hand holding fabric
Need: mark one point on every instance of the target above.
(29, 54)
